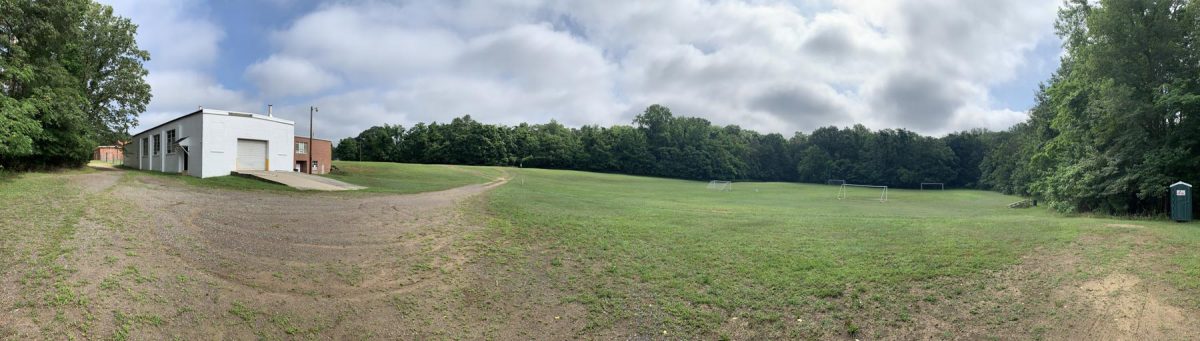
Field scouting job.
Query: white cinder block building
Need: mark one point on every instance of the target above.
(209, 142)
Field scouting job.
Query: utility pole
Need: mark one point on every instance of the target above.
(311, 110)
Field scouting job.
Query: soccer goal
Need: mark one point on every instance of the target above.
(933, 185)
(883, 195)
(835, 182)
(723, 186)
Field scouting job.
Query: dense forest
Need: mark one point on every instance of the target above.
(1114, 125)
(71, 76)
(1119, 120)
(662, 144)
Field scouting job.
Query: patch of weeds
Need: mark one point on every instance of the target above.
(243, 312)
(423, 266)
(123, 326)
(64, 295)
(405, 305)
(851, 328)
(136, 275)
(109, 260)
(284, 323)
(149, 320)
(352, 275)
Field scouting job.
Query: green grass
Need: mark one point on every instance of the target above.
(654, 254)
(384, 177)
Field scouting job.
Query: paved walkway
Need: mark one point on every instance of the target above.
(302, 181)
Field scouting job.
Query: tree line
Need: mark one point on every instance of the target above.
(660, 143)
(71, 76)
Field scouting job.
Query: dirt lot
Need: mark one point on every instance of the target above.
(161, 260)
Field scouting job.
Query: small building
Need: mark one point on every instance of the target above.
(111, 154)
(321, 153)
(210, 142)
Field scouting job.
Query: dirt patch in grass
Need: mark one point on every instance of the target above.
(1132, 226)
(1060, 294)
(1125, 307)
(334, 266)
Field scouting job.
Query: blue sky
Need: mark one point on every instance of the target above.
(774, 66)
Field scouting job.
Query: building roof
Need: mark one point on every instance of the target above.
(219, 112)
(306, 137)
(1181, 183)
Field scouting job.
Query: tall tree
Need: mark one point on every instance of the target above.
(1118, 121)
(71, 75)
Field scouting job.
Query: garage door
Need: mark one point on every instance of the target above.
(251, 155)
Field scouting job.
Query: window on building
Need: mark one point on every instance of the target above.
(301, 148)
(157, 144)
(145, 146)
(170, 141)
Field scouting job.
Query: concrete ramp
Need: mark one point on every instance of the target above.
(301, 181)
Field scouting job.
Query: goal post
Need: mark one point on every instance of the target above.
(721, 186)
(933, 185)
(835, 182)
(883, 195)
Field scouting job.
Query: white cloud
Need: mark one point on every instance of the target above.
(184, 50)
(281, 76)
(170, 30)
(769, 65)
(182, 91)
(371, 42)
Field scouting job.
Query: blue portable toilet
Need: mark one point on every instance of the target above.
(1181, 201)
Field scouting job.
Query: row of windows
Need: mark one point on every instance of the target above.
(158, 143)
(301, 147)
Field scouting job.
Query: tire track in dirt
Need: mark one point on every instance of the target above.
(313, 245)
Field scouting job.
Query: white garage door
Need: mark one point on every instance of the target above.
(251, 155)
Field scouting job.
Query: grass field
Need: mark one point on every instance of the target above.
(411, 178)
(563, 255)
(789, 260)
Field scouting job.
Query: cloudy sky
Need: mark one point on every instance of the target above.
(932, 66)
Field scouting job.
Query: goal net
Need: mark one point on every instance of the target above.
(723, 186)
(835, 182)
(933, 185)
(847, 191)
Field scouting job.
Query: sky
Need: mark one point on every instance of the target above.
(932, 66)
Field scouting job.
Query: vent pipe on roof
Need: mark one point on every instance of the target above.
(270, 112)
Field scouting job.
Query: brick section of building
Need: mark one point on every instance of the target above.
(322, 155)
(113, 154)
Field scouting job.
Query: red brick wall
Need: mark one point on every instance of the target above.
(322, 155)
(108, 153)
